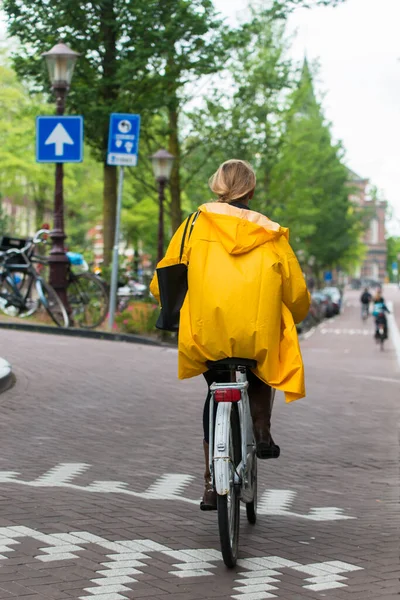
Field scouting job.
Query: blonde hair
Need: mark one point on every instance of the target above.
(233, 180)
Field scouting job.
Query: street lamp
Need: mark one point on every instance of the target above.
(60, 62)
(162, 162)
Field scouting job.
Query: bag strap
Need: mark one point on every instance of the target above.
(185, 232)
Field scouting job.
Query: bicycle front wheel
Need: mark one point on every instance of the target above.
(88, 300)
(17, 299)
(228, 505)
(52, 303)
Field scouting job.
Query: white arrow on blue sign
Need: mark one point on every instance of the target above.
(59, 139)
(123, 140)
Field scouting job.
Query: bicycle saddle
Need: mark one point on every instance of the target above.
(232, 363)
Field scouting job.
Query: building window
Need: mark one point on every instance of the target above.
(374, 231)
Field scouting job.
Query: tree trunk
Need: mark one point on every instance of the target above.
(109, 211)
(40, 202)
(109, 93)
(175, 180)
(40, 206)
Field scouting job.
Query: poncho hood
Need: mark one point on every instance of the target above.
(240, 230)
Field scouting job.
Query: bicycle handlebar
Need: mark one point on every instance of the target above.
(35, 240)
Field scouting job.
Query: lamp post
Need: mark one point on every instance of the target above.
(162, 162)
(60, 62)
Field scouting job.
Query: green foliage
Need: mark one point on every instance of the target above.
(309, 185)
(4, 221)
(393, 256)
(246, 124)
(22, 178)
(139, 318)
(135, 57)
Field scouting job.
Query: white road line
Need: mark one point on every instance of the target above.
(170, 484)
(394, 330)
(61, 474)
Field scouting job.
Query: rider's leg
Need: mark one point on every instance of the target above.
(261, 398)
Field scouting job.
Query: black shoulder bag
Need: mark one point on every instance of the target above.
(173, 286)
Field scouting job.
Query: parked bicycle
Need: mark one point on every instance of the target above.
(233, 461)
(87, 294)
(23, 291)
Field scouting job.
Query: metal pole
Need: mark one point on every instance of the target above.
(161, 185)
(114, 271)
(58, 260)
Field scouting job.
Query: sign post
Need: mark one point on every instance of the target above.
(123, 145)
(59, 140)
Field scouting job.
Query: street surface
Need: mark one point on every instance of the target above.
(101, 474)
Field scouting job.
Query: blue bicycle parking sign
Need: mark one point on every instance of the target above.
(123, 140)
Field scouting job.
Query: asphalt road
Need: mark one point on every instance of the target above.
(101, 473)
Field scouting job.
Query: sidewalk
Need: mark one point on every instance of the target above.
(6, 375)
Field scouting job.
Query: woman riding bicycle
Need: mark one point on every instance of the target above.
(246, 291)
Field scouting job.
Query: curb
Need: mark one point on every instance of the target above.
(86, 333)
(7, 378)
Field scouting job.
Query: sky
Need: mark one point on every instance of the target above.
(357, 45)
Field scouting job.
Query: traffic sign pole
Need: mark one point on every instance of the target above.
(123, 145)
(115, 261)
(59, 140)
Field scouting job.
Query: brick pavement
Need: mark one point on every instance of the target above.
(86, 414)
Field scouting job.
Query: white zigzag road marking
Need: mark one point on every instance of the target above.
(167, 487)
(115, 575)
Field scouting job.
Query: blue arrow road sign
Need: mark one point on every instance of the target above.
(59, 139)
(123, 140)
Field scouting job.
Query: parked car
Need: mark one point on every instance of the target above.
(315, 315)
(336, 297)
(325, 303)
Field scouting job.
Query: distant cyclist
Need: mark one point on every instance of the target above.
(366, 299)
(379, 311)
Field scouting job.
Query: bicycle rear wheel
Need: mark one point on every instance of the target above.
(52, 303)
(88, 300)
(228, 505)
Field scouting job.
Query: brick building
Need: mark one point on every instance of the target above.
(374, 265)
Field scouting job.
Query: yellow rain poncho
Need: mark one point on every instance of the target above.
(246, 292)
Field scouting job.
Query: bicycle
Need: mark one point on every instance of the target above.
(87, 295)
(380, 332)
(21, 287)
(233, 461)
(364, 312)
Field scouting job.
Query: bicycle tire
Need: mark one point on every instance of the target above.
(251, 507)
(88, 299)
(228, 505)
(52, 303)
(14, 310)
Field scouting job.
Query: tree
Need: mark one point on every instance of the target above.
(246, 123)
(20, 176)
(24, 180)
(309, 185)
(393, 256)
(134, 58)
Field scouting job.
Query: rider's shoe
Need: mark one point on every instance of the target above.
(209, 501)
(261, 409)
